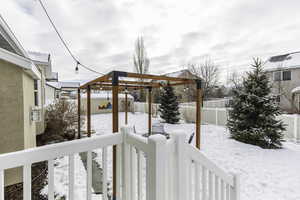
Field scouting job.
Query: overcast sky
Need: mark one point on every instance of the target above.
(101, 33)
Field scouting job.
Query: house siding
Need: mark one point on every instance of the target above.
(287, 86)
(29, 126)
(50, 95)
(11, 115)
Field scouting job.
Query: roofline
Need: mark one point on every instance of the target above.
(282, 68)
(11, 38)
(20, 61)
(47, 83)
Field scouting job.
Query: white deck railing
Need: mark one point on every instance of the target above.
(147, 169)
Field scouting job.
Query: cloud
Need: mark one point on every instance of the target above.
(102, 33)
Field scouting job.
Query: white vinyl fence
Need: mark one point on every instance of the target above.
(151, 168)
(219, 116)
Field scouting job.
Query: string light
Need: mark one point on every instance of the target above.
(65, 44)
(76, 68)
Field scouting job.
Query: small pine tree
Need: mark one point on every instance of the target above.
(168, 108)
(252, 119)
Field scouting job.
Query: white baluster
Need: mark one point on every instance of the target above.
(235, 189)
(1, 184)
(118, 174)
(104, 173)
(227, 191)
(51, 179)
(211, 185)
(126, 165)
(217, 189)
(27, 182)
(140, 176)
(222, 190)
(204, 183)
(133, 172)
(156, 160)
(197, 183)
(71, 177)
(181, 163)
(190, 179)
(89, 176)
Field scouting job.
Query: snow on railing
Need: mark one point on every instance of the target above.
(48, 153)
(208, 179)
(174, 170)
(151, 168)
(143, 166)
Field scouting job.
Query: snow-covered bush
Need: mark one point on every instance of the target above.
(252, 119)
(61, 120)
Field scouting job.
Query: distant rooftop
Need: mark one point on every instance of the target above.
(38, 56)
(284, 61)
(66, 84)
(63, 84)
(181, 73)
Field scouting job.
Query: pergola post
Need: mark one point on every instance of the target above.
(115, 124)
(126, 106)
(78, 112)
(198, 113)
(88, 108)
(149, 110)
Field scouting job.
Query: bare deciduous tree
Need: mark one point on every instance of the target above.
(235, 79)
(209, 72)
(140, 59)
(141, 62)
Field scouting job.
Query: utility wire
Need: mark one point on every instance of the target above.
(63, 41)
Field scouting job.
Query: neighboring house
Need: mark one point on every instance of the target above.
(52, 92)
(68, 89)
(19, 100)
(185, 93)
(284, 73)
(43, 62)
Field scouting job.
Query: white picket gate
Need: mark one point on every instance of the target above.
(147, 169)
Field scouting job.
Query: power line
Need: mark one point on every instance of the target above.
(64, 43)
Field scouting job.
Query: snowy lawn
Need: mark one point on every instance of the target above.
(265, 174)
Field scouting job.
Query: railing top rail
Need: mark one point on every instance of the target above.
(138, 141)
(197, 156)
(20, 158)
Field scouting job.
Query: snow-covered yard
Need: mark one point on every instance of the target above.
(265, 174)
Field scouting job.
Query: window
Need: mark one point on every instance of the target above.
(277, 76)
(278, 98)
(36, 93)
(286, 75)
(282, 76)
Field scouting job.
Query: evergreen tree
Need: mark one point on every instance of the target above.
(252, 119)
(168, 108)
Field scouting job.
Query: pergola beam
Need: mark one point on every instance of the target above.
(155, 77)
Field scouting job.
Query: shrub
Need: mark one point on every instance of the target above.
(61, 120)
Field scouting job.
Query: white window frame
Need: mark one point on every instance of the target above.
(286, 71)
(281, 75)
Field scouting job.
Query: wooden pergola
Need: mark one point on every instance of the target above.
(119, 81)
